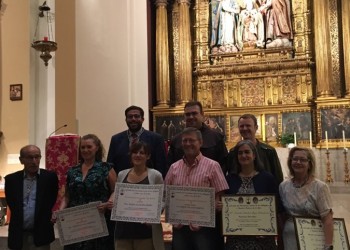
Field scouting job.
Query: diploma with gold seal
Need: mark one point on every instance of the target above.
(185, 205)
(80, 223)
(249, 215)
(310, 234)
(138, 202)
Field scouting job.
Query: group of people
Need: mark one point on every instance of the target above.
(250, 23)
(197, 157)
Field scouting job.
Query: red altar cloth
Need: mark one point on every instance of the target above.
(62, 152)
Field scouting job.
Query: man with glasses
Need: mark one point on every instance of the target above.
(31, 194)
(118, 153)
(196, 170)
(213, 146)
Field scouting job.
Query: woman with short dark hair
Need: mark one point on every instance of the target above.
(132, 235)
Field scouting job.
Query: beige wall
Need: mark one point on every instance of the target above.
(15, 69)
(99, 69)
(65, 98)
(111, 66)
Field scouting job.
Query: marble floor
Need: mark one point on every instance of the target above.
(341, 207)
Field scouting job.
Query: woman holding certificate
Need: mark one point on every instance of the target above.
(250, 179)
(304, 195)
(132, 235)
(89, 181)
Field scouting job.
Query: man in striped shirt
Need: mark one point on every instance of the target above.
(195, 170)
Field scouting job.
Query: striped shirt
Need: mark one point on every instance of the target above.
(203, 173)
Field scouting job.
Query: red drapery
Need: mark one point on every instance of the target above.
(62, 152)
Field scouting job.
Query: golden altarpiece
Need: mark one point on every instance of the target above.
(300, 85)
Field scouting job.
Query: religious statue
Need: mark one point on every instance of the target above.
(252, 25)
(278, 22)
(225, 18)
(239, 24)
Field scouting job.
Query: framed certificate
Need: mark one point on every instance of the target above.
(310, 233)
(185, 205)
(249, 215)
(80, 223)
(138, 203)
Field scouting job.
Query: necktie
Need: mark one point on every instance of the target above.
(134, 138)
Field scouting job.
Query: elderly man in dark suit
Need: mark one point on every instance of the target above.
(31, 194)
(120, 143)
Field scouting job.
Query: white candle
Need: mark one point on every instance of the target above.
(326, 134)
(310, 137)
(263, 135)
(344, 139)
(295, 139)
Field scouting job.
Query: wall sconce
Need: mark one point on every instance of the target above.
(46, 45)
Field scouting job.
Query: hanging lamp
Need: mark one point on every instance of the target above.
(46, 45)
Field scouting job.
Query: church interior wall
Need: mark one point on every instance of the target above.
(99, 69)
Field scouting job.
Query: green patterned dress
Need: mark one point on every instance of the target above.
(93, 188)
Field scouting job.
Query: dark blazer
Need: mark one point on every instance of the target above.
(46, 195)
(264, 183)
(118, 152)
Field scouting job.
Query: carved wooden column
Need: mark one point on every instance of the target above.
(345, 8)
(162, 54)
(323, 49)
(185, 62)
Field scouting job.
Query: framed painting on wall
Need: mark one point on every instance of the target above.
(216, 122)
(169, 126)
(234, 135)
(271, 127)
(334, 121)
(298, 122)
(16, 92)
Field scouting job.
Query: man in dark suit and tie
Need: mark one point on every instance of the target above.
(118, 153)
(31, 194)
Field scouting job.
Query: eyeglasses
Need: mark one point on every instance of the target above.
(136, 116)
(191, 141)
(302, 160)
(32, 157)
(194, 113)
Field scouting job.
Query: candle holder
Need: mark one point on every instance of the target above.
(46, 45)
(329, 178)
(346, 168)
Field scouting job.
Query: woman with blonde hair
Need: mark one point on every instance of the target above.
(89, 181)
(305, 195)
